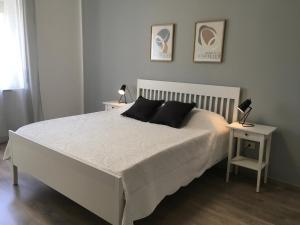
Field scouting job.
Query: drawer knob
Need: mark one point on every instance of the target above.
(246, 134)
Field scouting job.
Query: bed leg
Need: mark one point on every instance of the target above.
(14, 171)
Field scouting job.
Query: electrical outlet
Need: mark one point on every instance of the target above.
(249, 145)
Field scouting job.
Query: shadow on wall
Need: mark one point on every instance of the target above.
(281, 148)
(284, 141)
(14, 112)
(3, 128)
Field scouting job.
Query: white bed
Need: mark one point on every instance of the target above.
(120, 168)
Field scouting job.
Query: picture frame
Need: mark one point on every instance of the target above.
(162, 42)
(209, 41)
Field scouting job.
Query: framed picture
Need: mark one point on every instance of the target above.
(209, 38)
(162, 38)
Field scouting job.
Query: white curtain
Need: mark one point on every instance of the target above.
(19, 81)
(12, 45)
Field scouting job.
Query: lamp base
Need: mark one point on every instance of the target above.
(247, 124)
(125, 100)
(244, 118)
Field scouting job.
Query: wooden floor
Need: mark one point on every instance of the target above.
(206, 201)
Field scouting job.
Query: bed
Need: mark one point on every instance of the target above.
(120, 168)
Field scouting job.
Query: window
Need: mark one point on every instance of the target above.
(12, 50)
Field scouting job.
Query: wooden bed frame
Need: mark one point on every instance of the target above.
(98, 191)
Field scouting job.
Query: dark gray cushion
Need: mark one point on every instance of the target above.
(143, 109)
(172, 113)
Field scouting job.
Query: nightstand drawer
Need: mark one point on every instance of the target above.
(108, 107)
(247, 135)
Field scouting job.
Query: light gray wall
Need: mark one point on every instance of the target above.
(262, 55)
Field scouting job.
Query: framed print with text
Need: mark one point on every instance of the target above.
(209, 39)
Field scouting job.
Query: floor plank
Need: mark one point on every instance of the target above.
(206, 201)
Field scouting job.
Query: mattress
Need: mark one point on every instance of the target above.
(153, 160)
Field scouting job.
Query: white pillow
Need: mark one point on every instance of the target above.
(204, 119)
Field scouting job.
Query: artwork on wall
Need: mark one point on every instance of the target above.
(162, 38)
(209, 37)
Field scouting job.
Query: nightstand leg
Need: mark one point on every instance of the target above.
(229, 155)
(260, 160)
(258, 180)
(238, 150)
(269, 140)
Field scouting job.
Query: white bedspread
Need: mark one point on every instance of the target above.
(153, 160)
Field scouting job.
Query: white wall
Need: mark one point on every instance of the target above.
(60, 56)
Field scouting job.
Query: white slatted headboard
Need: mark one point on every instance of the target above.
(219, 99)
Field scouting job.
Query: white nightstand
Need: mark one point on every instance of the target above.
(109, 105)
(259, 133)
